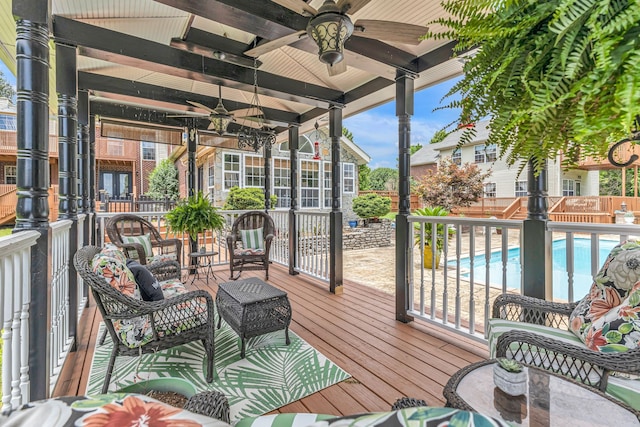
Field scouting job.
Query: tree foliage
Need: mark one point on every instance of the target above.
(6, 90)
(247, 198)
(439, 136)
(611, 182)
(383, 179)
(163, 181)
(553, 76)
(414, 148)
(451, 186)
(364, 174)
(347, 134)
(371, 205)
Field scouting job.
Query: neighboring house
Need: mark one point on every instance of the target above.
(504, 181)
(220, 169)
(122, 165)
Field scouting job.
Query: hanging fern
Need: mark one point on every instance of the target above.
(555, 77)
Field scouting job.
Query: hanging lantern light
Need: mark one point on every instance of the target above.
(330, 28)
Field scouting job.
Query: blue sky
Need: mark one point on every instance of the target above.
(376, 130)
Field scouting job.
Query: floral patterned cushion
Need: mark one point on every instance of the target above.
(115, 272)
(245, 252)
(113, 251)
(162, 258)
(607, 319)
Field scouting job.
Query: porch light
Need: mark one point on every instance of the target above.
(330, 29)
(220, 117)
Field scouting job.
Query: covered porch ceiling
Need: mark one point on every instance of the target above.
(143, 60)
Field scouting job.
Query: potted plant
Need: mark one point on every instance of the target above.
(510, 377)
(629, 217)
(428, 234)
(194, 215)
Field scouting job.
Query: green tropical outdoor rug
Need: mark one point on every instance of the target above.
(271, 375)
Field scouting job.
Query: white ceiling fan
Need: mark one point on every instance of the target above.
(330, 27)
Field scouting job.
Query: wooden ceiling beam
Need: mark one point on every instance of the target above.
(102, 83)
(123, 49)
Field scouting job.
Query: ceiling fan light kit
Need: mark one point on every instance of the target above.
(330, 28)
(220, 117)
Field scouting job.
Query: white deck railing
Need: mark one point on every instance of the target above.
(15, 297)
(61, 259)
(313, 244)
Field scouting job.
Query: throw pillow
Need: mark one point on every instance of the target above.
(252, 239)
(144, 240)
(150, 289)
(116, 274)
(615, 282)
(111, 250)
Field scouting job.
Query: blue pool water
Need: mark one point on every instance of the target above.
(582, 277)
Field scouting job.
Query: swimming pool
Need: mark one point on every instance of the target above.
(582, 278)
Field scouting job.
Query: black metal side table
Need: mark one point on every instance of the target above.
(202, 260)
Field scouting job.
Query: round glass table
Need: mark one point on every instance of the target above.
(550, 399)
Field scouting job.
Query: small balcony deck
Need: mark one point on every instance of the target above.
(357, 330)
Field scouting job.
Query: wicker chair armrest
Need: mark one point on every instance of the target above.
(232, 238)
(142, 308)
(165, 270)
(627, 362)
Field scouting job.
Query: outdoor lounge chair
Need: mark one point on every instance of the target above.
(140, 240)
(136, 326)
(249, 243)
(536, 332)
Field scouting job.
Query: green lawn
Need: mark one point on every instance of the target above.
(5, 231)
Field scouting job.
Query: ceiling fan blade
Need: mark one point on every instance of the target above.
(197, 104)
(352, 6)
(247, 112)
(298, 6)
(337, 68)
(391, 31)
(267, 47)
(187, 115)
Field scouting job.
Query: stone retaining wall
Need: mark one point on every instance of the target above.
(374, 236)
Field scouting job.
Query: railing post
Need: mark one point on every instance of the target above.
(32, 208)
(91, 182)
(293, 226)
(68, 112)
(335, 217)
(536, 260)
(267, 177)
(404, 111)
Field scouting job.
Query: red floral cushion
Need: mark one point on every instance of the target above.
(608, 318)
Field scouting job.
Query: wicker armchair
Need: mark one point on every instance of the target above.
(132, 226)
(241, 258)
(174, 321)
(573, 360)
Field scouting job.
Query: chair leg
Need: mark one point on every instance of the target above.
(104, 335)
(209, 346)
(112, 362)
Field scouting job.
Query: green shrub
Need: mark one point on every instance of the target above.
(247, 199)
(371, 205)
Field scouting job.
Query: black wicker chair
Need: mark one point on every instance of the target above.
(164, 314)
(241, 259)
(131, 225)
(578, 362)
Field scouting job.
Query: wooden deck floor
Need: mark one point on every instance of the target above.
(357, 330)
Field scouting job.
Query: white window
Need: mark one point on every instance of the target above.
(309, 184)
(348, 178)
(480, 153)
(327, 184)
(456, 157)
(282, 182)
(521, 188)
(491, 152)
(8, 122)
(10, 174)
(305, 145)
(231, 170)
(115, 147)
(148, 150)
(253, 171)
(568, 187)
(490, 189)
(210, 170)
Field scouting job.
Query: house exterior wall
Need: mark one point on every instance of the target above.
(421, 170)
(506, 177)
(214, 171)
